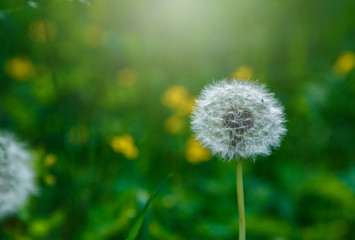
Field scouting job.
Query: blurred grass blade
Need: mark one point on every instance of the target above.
(138, 223)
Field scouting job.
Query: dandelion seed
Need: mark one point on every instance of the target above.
(238, 119)
(16, 175)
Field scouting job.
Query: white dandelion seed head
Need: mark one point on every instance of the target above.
(16, 174)
(238, 118)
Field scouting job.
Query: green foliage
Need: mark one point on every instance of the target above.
(133, 233)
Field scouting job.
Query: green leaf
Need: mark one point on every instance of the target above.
(139, 221)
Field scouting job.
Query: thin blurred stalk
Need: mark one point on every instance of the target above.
(72, 218)
(57, 90)
(240, 197)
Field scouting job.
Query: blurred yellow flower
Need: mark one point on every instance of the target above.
(42, 31)
(125, 145)
(50, 160)
(243, 72)
(195, 153)
(345, 63)
(178, 99)
(50, 180)
(79, 134)
(95, 35)
(173, 124)
(19, 68)
(126, 77)
(186, 107)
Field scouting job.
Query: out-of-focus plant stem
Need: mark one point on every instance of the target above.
(240, 197)
(72, 215)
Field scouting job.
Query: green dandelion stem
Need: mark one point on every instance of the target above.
(240, 197)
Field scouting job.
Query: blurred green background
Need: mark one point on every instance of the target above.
(102, 93)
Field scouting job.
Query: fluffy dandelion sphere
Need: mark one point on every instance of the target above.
(238, 118)
(16, 175)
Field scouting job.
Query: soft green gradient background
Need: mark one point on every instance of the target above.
(304, 190)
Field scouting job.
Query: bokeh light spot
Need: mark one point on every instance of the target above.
(243, 72)
(125, 145)
(50, 160)
(178, 99)
(345, 63)
(20, 68)
(50, 180)
(174, 124)
(195, 153)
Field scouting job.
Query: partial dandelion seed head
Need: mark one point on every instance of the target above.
(238, 118)
(16, 174)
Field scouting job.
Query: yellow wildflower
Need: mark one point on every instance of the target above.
(195, 153)
(50, 180)
(243, 72)
(42, 31)
(345, 63)
(173, 124)
(178, 99)
(125, 145)
(126, 77)
(186, 107)
(50, 160)
(19, 68)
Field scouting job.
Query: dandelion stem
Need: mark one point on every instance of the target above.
(240, 197)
